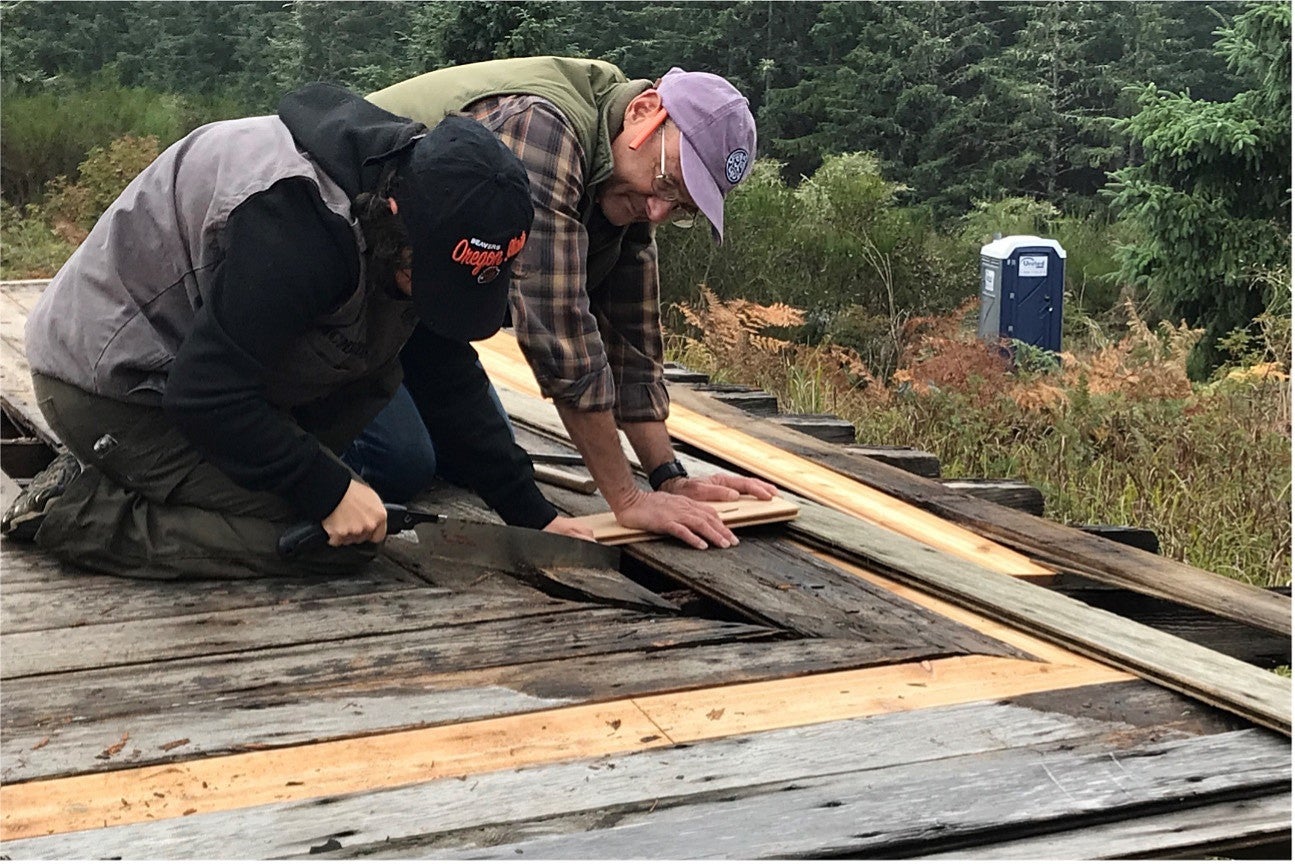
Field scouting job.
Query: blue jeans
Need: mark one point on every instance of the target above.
(395, 454)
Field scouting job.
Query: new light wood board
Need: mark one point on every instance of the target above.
(744, 512)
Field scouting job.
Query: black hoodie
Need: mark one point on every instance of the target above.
(289, 262)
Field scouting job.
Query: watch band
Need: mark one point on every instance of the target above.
(665, 472)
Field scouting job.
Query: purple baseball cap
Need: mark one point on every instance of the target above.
(717, 146)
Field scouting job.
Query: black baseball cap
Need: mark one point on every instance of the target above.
(465, 201)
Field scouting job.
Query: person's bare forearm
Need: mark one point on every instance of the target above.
(651, 442)
(595, 435)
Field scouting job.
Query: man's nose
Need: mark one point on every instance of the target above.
(658, 209)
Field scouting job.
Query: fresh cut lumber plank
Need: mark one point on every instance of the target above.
(745, 511)
(503, 361)
(1057, 545)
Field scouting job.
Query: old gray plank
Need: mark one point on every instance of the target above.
(210, 726)
(107, 599)
(398, 821)
(1213, 829)
(376, 662)
(294, 623)
(1207, 675)
(769, 581)
(891, 810)
(27, 568)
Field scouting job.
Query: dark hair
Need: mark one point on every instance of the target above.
(384, 232)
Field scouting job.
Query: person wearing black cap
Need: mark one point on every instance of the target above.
(236, 318)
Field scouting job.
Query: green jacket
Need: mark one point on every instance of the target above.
(583, 90)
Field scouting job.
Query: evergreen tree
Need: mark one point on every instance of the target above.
(1212, 198)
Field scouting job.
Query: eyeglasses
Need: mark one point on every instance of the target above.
(667, 189)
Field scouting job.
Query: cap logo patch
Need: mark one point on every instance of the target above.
(735, 165)
(485, 258)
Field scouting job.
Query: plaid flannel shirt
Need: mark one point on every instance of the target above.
(592, 347)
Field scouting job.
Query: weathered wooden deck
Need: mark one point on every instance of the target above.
(790, 704)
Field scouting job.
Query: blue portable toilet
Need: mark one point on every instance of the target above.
(1021, 282)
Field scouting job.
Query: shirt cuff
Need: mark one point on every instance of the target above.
(641, 403)
(321, 488)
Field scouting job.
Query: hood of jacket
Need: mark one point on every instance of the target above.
(347, 135)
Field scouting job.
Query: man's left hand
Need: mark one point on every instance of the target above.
(719, 487)
(569, 527)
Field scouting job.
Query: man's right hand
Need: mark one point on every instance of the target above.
(693, 522)
(359, 517)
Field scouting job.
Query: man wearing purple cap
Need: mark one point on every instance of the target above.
(609, 159)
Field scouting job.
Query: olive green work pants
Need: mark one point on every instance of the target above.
(146, 504)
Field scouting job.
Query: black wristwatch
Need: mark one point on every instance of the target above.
(664, 473)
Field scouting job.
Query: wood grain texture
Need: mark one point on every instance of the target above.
(96, 646)
(503, 362)
(578, 732)
(1051, 543)
(198, 722)
(50, 602)
(362, 664)
(369, 819)
(768, 597)
(906, 809)
(768, 581)
(1217, 679)
(1195, 833)
(16, 301)
(744, 512)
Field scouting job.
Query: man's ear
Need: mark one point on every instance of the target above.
(391, 203)
(642, 117)
(643, 107)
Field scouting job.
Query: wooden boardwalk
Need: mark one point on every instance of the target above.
(778, 702)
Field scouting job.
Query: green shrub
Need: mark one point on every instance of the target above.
(103, 175)
(37, 239)
(49, 133)
(29, 247)
(838, 240)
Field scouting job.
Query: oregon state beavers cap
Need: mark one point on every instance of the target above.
(717, 143)
(465, 201)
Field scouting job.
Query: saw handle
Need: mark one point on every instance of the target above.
(305, 536)
(302, 537)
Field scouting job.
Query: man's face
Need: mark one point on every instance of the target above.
(644, 181)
